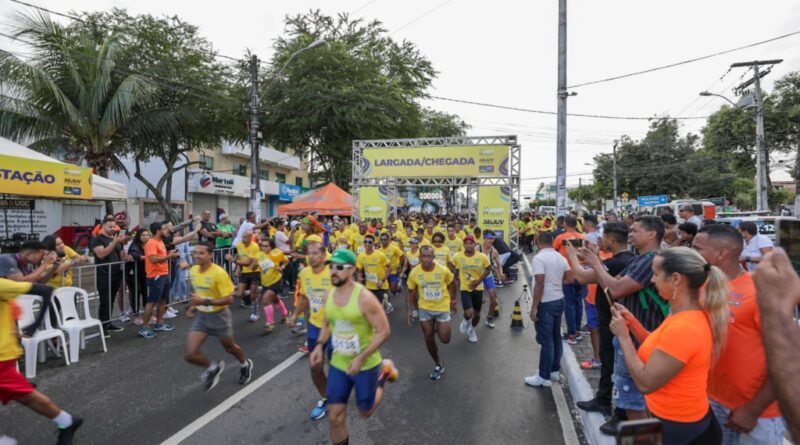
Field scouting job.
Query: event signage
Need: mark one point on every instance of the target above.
(650, 201)
(43, 179)
(287, 192)
(485, 161)
(373, 203)
(494, 210)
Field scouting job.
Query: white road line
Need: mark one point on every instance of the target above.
(215, 412)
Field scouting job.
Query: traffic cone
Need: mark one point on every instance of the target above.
(516, 317)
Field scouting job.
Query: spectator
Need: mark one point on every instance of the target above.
(670, 230)
(756, 245)
(108, 253)
(508, 258)
(550, 272)
(574, 292)
(559, 226)
(62, 276)
(778, 290)
(741, 396)
(180, 287)
(223, 241)
(686, 233)
(672, 364)
(136, 276)
(208, 229)
(686, 212)
(156, 264)
(31, 264)
(247, 225)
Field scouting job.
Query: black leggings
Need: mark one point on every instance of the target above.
(705, 431)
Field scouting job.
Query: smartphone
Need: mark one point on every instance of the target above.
(576, 242)
(640, 432)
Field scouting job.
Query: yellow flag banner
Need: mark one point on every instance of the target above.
(485, 161)
(373, 202)
(494, 210)
(29, 177)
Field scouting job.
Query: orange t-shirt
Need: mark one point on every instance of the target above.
(686, 337)
(741, 368)
(155, 247)
(558, 243)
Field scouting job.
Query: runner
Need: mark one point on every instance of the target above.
(489, 283)
(271, 262)
(395, 256)
(213, 293)
(246, 257)
(373, 271)
(453, 243)
(13, 385)
(315, 284)
(434, 284)
(441, 252)
(357, 239)
(357, 325)
(473, 267)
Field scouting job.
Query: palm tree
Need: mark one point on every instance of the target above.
(68, 94)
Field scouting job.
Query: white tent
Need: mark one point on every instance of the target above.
(102, 188)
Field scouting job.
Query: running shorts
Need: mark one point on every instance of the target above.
(472, 299)
(13, 385)
(340, 385)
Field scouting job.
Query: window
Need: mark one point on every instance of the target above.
(206, 162)
(280, 178)
(298, 181)
(263, 175)
(240, 169)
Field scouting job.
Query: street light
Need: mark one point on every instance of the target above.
(708, 94)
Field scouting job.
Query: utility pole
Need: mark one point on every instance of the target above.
(561, 133)
(255, 183)
(762, 195)
(614, 174)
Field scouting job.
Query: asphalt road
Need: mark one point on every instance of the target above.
(142, 392)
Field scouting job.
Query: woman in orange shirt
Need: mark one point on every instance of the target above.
(672, 364)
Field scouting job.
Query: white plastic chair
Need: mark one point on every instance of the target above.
(70, 321)
(32, 344)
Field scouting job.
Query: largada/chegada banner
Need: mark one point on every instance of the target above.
(485, 161)
(43, 179)
(494, 210)
(373, 203)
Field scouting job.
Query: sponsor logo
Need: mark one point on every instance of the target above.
(73, 191)
(205, 181)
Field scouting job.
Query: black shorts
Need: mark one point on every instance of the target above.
(380, 293)
(472, 299)
(275, 287)
(250, 278)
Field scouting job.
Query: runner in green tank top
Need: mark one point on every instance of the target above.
(357, 325)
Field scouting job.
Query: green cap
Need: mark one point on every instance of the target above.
(342, 256)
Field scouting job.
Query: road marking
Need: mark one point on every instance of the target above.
(228, 403)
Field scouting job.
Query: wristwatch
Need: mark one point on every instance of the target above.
(207, 301)
(747, 258)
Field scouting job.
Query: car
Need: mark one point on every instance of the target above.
(703, 209)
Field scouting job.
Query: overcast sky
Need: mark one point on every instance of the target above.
(505, 52)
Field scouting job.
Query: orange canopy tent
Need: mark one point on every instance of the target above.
(328, 200)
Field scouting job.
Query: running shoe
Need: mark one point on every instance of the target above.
(438, 370)
(573, 339)
(168, 314)
(246, 372)
(303, 349)
(268, 328)
(111, 327)
(163, 327)
(171, 310)
(211, 378)
(414, 314)
(146, 332)
(473, 337)
(389, 370)
(299, 330)
(585, 329)
(590, 364)
(253, 317)
(124, 318)
(285, 317)
(464, 326)
(320, 410)
(489, 322)
(389, 308)
(66, 435)
(555, 376)
(535, 380)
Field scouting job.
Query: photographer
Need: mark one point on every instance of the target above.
(62, 275)
(107, 248)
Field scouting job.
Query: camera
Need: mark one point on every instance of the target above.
(576, 242)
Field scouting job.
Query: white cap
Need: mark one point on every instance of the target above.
(223, 216)
(294, 224)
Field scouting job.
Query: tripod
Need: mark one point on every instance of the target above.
(525, 301)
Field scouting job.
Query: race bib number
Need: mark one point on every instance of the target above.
(412, 260)
(361, 249)
(431, 294)
(346, 343)
(267, 265)
(316, 300)
(372, 277)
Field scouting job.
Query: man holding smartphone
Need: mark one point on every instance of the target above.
(574, 292)
(156, 265)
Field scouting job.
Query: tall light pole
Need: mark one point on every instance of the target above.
(255, 182)
(561, 131)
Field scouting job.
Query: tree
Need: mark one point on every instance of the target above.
(787, 109)
(68, 94)
(361, 85)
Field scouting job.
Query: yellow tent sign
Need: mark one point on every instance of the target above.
(42, 179)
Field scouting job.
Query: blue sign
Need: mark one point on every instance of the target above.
(650, 201)
(287, 192)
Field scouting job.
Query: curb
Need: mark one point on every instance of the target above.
(578, 385)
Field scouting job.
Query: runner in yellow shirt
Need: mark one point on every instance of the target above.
(212, 293)
(272, 262)
(473, 267)
(247, 252)
(357, 239)
(395, 256)
(441, 252)
(453, 243)
(373, 270)
(431, 287)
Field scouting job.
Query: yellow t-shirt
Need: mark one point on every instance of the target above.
(353, 228)
(470, 268)
(9, 344)
(398, 223)
(393, 253)
(429, 235)
(55, 280)
(374, 267)
(454, 245)
(357, 243)
(251, 251)
(269, 263)
(413, 258)
(462, 234)
(272, 232)
(214, 283)
(401, 236)
(442, 255)
(298, 240)
(432, 287)
(315, 287)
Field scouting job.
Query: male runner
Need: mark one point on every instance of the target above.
(247, 253)
(212, 294)
(473, 267)
(431, 285)
(373, 270)
(357, 326)
(395, 256)
(453, 243)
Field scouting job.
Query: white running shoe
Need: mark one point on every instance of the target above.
(124, 318)
(555, 376)
(253, 317)
(535, 380)
(168, 314)
(473, 337)
(171, 310)
(389, 308)
(464, 326)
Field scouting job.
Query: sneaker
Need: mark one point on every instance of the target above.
(535, 380)
(489, 323)
(389, 308)
(572, 339)
(246, 372)
(499, 283)
(303, 349)
(211, 378)
(591, 364)
(268, 328)
(610, 427)
(299, 330)
(285, 317)
(594, 406)
(163, 327)
(66, 435)
(585, 329)
(171, 310)
(473, 337)
(414, 314)
(253, 317)
(555, 376)
(320, 410)
(111, 327)
(124, 318)
(438, 370)
(146, 332)
(464, 326)
(168, 314)
(389, 370)
(138, 321)
(578, 336)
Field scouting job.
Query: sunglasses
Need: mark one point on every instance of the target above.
(369, 242)
(341, 267)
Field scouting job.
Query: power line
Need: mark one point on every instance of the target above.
(363, 6)
(420, 17)
(684, 62)
(552, 113)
